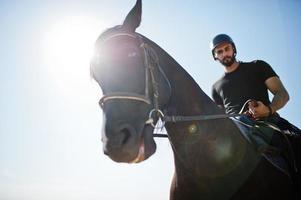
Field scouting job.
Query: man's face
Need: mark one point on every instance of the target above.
(225, 54)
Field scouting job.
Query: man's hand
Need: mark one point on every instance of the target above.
(258, 110)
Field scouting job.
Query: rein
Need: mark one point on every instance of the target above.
(175, 119)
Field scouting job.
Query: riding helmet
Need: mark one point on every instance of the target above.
(219, 39)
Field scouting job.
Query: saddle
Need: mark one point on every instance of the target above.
(269, 140)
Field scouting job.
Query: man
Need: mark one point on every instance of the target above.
(243, 81)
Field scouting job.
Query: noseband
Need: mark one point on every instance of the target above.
(151, 62)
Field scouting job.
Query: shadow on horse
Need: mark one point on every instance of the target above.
(142, 83)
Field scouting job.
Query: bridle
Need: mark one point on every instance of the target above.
(151, 62)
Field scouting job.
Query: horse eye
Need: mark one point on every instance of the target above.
(132, 54)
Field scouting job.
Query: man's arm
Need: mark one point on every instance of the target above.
(279, 100)
(281, 96)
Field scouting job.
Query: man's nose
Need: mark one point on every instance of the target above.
(223, 54)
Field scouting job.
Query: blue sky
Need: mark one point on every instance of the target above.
(50, 121)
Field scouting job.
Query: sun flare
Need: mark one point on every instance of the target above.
(69, 45)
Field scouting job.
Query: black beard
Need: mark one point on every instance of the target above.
(228, 61)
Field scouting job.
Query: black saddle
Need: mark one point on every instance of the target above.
(271, 141)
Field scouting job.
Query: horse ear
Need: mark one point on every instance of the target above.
(133, 19)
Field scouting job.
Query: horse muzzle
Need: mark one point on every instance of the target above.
(123, 143)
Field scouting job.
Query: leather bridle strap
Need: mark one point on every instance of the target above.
(152, 61)
(175, 119)
(121, 95)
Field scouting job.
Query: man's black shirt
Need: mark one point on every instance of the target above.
(233, 89)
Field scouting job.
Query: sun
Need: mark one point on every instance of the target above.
(69, 45)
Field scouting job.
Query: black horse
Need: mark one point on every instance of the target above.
(141, 83)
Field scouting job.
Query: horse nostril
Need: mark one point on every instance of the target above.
(127, 134)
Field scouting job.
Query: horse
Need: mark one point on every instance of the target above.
(141, 84)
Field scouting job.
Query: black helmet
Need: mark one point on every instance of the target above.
(219, 39)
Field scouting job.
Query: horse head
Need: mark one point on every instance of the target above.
(128, 71)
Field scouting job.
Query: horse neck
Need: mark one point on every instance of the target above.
(187, 97)
(196, 144)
